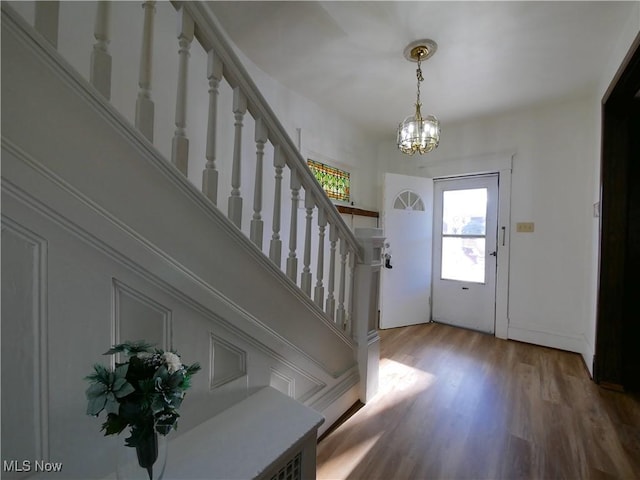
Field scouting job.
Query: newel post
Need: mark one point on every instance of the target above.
(365, 309)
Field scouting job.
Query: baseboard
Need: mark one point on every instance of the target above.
(588, 356)
(343, 418)
(337, 400)
(548, 339)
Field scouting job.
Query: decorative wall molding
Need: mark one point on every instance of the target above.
(227, 362)
(34, 164)
(349, 381)
(39, 325)
(283, 383)
(158, 330)
(29, 200)
(217, 320)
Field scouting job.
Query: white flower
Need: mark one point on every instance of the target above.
(172, 361)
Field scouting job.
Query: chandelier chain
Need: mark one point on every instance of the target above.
(420, 79)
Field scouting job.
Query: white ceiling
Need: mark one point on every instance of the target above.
(491, 57)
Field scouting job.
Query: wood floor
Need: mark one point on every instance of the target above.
(458, 404)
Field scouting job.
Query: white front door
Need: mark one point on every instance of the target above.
(464, 252)
(407, 220)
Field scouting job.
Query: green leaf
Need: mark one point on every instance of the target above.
(162, 373)
(158, 404)
(130, 411)
(166, 422)
(118, 383)
(130, 348)
(191, 369)
(114, 424)
(175, 380)
(112, 405)
(96, 390)
(121, 370)
(100, 375)
(176, 400)
(125, 390)
(96, 404)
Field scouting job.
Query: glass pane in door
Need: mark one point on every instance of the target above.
(463, 259)
(463, 234)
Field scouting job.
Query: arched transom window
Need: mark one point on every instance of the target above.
(408, 200)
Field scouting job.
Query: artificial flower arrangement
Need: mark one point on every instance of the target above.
(143, 393)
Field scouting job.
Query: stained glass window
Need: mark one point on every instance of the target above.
(335, 182)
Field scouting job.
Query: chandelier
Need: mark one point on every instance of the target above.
(417, 133)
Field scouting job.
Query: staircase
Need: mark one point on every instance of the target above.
(150, 192)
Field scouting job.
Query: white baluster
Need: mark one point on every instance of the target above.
(348, 327)
(318, 296)
(341, 316)
(210, 174)
(100, 71)
(235, 199)
(292, 260)
(256, 222)
(180, 142)
(330, 306)
(46, 21)
(305, 279)
(144, 105)
(275, 247)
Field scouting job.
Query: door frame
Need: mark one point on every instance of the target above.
(615, 364)
(490, 182)
(500, 163)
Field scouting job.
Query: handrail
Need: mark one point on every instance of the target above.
(211, 35)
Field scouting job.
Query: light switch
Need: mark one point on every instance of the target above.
(524, 227)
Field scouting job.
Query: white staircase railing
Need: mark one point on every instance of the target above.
(274, 221)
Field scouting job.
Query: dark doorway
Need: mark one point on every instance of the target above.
(617, 360)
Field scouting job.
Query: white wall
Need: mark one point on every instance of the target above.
(325, 137)
(552, 181)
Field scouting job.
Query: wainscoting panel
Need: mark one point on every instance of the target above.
(24, 365)
(138, 317)
(227, 362)
(282, 383)
(94, 296)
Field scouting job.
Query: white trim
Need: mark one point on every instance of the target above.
(225, 308)
(557, 340)
(588, 355)
(477, 165)
(40, 330)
